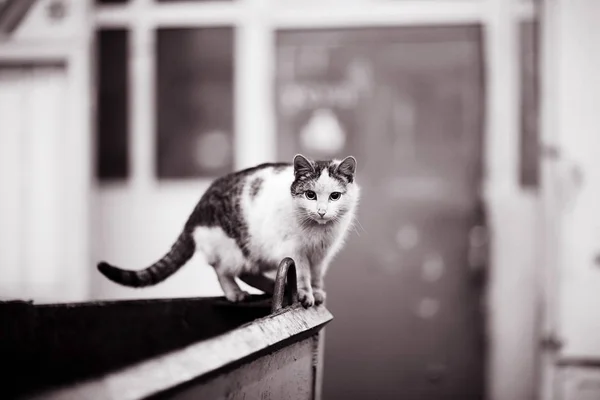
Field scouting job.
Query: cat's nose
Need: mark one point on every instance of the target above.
(321, 213)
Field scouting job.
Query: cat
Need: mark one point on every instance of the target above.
(248, 221)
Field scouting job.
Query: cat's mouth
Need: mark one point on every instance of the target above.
(321, 220)
(317, 220)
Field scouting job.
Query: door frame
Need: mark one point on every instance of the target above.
(256, 23)
(70, 48)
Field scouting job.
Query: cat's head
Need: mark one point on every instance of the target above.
(324, 191)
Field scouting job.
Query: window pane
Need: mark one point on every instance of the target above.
(194, 102)
(112, 144)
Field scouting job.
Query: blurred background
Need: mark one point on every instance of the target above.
(473, 273)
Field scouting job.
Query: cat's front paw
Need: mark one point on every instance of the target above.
(237, 296)
(306, 298)
(320, 296)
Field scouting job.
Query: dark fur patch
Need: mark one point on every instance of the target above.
(255, 187)
(345, 170)
(221, 206)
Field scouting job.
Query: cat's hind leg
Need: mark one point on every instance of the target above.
(232, 290)
(226, 258)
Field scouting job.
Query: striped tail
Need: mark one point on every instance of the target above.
(180, 253)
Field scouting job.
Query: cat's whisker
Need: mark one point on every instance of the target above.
(359, 224)
(353, 227)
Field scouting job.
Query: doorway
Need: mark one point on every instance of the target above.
(407, 290)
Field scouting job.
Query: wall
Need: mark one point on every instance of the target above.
(44, 143)
(572, 188)
(513, 310)
(578, 136)
(33, 117)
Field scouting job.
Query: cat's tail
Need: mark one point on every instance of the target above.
(181, 251)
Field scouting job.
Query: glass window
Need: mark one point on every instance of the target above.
(112, 144)
(194, 102)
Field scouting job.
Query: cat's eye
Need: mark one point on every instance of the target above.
(335, 196)
(310, 195)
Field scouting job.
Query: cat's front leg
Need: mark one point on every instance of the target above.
(318, 283)
(305, 292)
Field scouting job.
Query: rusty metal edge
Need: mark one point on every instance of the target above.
(151, 377)
(285, 273)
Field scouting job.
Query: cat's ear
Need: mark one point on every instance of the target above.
(302, 165)
(347, 168)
